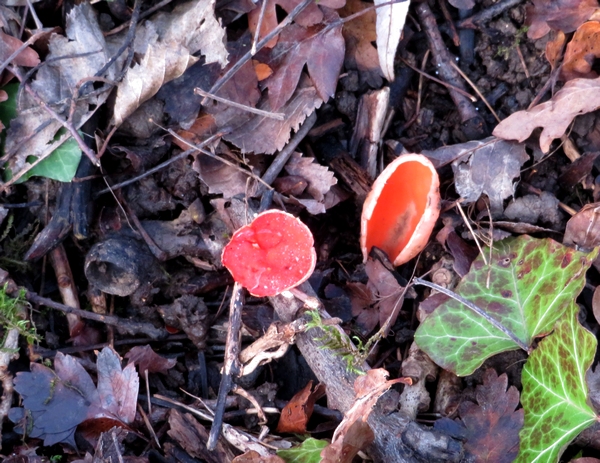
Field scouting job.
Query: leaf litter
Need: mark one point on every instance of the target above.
(316, 68)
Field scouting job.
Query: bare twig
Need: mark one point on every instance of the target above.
(162, 165)
(474, 87)
(261, 17)
(231, 366)
(475, 21)
(250, 109)
(145, 14)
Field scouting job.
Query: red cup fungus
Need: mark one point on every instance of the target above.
(272, 254)
(401, 210)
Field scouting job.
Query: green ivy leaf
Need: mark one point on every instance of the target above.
(61, 165)
(555, 393)
(308, 452)
(526, 288)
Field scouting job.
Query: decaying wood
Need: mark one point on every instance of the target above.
(370, 120)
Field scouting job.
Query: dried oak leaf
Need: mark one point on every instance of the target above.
(319, 178)
(492, 425)
(265, 135)
(148, 360)
(168, 43)
(56, 402)
(563, 15)
(295, 415)
(32, 132)
(578, 96)
(310, 16)
(320, 48)
(581, 52)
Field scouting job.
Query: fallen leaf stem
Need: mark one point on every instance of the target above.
(475, 309)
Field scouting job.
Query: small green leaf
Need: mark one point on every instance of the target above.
(61, 165)
(308, 452)
(555, 393)
(8, 108)
(526, 288)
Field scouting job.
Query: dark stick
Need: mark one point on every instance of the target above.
(473, 124)
(475, 309)
(478, 19)
(231, 366)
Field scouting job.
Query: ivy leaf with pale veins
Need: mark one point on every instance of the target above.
(555, 394)
(492, 425)
(526, 288)
(578, 96)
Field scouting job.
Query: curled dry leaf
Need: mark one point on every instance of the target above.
(28, 57)
(310, 16)
(578, 96)
(389, 25)
(148, 360)
(295, 415)
(581, 52)
(563, 15)
(367, 388)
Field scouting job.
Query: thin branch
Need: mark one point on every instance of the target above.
(250, 109)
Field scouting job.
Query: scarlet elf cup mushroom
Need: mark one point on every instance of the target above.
(401, 210)
(273, 253)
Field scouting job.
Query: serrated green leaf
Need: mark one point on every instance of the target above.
(555, 393)
(308, 452)
(526, 288)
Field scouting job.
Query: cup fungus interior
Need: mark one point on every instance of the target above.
(400, 205)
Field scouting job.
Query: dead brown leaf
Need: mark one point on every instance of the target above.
(295, 415)
(310, 16)
(360, 35)
(554, 48)
(319, 178)
(148, 360)
(367, 389)
(493, 425)
(32, 131)
(9, 44)
(578, 96)
(563, 15)
(583, 229)
(321, 50)
(581, 52)
(252, 456)
(485, 167)
(167, 43)
(265, 135)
